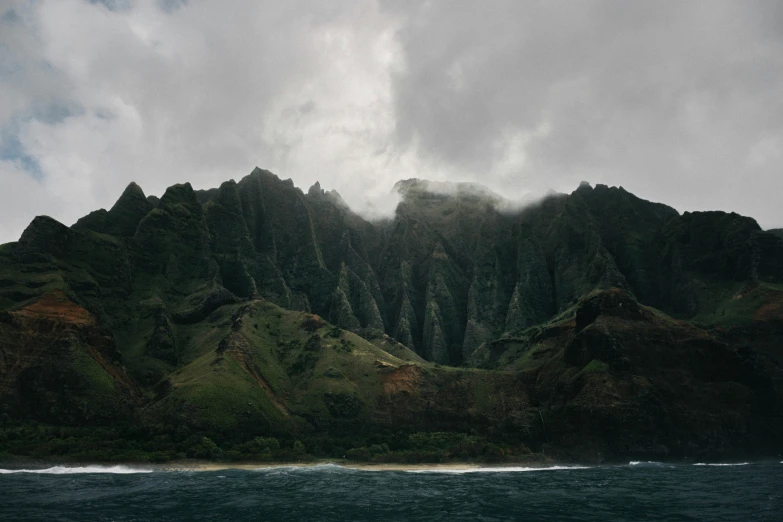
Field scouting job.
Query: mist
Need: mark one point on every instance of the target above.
(678, 103)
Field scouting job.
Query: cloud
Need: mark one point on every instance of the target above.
(199, 93)
(676, 102)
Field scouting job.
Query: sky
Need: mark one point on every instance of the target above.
(678, 102)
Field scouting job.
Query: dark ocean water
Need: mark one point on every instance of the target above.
(639, 491)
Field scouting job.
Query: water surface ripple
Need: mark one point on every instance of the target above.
(638, 491)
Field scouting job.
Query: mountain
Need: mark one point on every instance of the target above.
(777, 231)
(594, 325)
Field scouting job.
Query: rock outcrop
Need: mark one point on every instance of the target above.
(57, 365)
(590, 314)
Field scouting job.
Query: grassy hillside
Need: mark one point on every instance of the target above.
(259, 320)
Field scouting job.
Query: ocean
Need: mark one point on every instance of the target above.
(636, 491)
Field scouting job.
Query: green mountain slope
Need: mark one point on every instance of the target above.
(258, 310)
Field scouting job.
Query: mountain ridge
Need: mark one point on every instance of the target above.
(383, 317)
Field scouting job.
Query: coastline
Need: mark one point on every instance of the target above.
(361, 466)
(187, 466)
(196, 465)
(10, 463)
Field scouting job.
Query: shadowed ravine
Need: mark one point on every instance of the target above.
(594, 326)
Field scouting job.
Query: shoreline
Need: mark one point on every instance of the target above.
(61, 467)
(10, 463)
(195, 465)
(361, 466)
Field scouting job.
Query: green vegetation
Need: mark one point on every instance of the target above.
(595, 366)
(741, 305)
(255, 321)
(157, 445)
(439, 447)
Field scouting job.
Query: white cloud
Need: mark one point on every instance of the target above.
(205, 92)
(664, 98)
(21, 198)
(677, 103)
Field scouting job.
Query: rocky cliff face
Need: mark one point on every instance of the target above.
(58, 364)
(591, 300)
(620, 378)
(449, 272)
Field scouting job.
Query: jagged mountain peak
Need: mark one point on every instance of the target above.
(218, 300)
(133, 195)
(315, 189)
(454, 268)
(132, 192)
(179, 193)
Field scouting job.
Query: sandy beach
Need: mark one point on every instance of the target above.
(456, 466)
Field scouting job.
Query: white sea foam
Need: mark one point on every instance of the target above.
(333, 468)
(64, 470)
(505, 469)
(648, 464)
(722, 464)
(277, 468)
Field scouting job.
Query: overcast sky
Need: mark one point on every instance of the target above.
(679, 102)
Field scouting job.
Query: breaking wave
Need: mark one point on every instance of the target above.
(648, 464)
(722, 464)
(507, 469)
(318, 468)
(65, 470)
(456, 492)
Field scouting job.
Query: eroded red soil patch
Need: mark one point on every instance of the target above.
(770, 311)
(56, 307)
(45, 332)
(405, 379)
(238, 350)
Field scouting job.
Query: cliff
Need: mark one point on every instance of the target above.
(595, 324)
